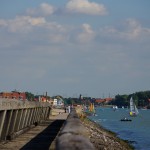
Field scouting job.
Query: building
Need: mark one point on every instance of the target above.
(103, 101)
(58, 102)
(13, 95)
(55, 102)
(41, 98)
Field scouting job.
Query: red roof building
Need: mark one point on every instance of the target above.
(105, 100)
(13, 95)
(108, 99)
(99, 100)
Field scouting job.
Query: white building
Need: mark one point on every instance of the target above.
(55, 102)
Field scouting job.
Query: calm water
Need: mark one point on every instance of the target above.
(137, 131)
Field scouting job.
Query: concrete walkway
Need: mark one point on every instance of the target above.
(39, 137)
(58, 114)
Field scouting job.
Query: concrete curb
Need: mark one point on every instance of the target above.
(73, 135)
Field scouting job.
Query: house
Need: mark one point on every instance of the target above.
(100, 101)
(58, 102)
(55, 102)
(13, 95)
(41, 98)
(108, 99)
(103, 101)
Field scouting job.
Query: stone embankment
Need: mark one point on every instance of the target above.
(103, 139)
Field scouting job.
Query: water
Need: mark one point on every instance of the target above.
(136, 131)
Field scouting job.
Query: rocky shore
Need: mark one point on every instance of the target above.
(103, 139)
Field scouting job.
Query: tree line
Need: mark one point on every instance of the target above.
(141, 99)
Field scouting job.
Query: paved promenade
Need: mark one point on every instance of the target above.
(39, 137)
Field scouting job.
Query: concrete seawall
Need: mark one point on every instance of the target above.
(73, 135)
(17, 116)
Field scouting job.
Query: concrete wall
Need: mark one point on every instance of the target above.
(17, 116)
(73, 135)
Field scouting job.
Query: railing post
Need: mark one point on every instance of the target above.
(2, 119)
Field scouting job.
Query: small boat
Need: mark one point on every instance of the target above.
(133, 109)
(115, 108)
(125, 119)
(122, 107)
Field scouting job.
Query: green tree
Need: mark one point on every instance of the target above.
(29, 96)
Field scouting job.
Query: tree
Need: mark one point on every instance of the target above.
(29, 96)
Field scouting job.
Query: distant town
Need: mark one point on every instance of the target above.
(55, 100)
(142, 99)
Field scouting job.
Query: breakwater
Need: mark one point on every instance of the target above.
(18, 116)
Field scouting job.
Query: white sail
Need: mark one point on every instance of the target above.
(136, 110)
(131, 105)
(133, 108)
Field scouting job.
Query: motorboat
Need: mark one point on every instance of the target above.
(125, 119)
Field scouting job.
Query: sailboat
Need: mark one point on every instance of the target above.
(133, 109)
(92, 109)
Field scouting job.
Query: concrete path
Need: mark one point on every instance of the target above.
(40, 137)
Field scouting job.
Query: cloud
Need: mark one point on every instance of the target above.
(131, 30)
(43, 10)
(22, 23)
(57, 38)
(54, 32)
(85, 7)
(134, 29)
(87, 35)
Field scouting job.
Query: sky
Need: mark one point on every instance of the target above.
(96, 48)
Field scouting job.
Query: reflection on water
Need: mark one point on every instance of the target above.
(136, 131)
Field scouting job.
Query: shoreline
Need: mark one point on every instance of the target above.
(104, 139)
(100, 137)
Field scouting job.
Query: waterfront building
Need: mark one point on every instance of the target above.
(13, 95)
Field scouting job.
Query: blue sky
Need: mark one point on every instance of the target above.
(91, 47)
